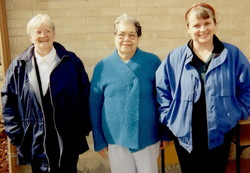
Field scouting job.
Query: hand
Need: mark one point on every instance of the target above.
(103, 153)
(163, 144)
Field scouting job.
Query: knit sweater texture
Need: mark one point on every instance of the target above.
(123, 106)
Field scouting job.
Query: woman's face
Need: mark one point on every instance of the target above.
(126, 39)
(201, 30)
(43, 38)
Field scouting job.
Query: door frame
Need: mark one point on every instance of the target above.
(6, 60)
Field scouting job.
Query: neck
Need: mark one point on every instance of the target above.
(203, 46)
(43, 53)
(203, 51)
(126, 56)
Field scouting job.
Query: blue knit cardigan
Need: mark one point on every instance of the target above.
(123, 106)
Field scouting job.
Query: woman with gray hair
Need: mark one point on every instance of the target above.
(123, 106)
(45, 102)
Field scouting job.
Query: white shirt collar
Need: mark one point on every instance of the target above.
(49, 58)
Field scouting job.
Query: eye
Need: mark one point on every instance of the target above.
(121, 35)
(196, 26)
(38, 32)
(132, 35)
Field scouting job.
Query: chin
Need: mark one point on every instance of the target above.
(126, 50)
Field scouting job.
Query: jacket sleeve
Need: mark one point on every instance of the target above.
(84, 87)
(243, 85)
(10, 111)
(164, 96)
(95, 104)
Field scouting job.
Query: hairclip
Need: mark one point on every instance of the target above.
(199, 5)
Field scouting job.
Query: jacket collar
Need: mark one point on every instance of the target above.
(218, 47)
(126, 68)
(29, 52)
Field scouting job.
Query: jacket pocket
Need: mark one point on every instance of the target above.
(25, 147)
(190, 88)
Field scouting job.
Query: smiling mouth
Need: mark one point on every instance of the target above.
(44, 41)
(204, 35)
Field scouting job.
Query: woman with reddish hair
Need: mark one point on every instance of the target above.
(203, 89)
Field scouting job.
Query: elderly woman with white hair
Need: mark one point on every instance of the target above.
(45, 102)
(123, 106)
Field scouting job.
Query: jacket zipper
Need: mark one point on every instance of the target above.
(40, 102)
(54, 114)
(53, 120)
(206, 97)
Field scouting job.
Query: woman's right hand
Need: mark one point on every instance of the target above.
(163, 144)
(104, 152)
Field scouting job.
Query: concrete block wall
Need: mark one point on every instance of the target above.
(86, 26)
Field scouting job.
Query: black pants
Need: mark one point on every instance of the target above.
(36, 169)
(68, 165)
(203, 160)
(54, 170)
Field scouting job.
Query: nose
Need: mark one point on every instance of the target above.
(126, 37)
(43, 34)
(203, 28)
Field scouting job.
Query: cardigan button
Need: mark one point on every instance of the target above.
(135, 79)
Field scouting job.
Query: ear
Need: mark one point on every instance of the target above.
(188, 29)
(31, 39)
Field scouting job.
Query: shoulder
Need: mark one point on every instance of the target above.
(62, 51)
(178, 54)
(146, 58)
(25, 56)
(67, 55)
(234, 52)
(105, 63)
(175, 60)
(148, 55)
(230, 47)
(180, 50)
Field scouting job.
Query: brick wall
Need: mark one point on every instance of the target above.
(85, 26)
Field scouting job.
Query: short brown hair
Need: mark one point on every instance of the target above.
(203, 11)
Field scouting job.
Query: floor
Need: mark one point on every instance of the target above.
(245, 166)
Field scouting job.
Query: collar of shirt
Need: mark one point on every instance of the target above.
(49, 58)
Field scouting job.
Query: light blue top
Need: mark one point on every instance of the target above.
(227, 88)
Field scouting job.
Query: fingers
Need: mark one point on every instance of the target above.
(103, 153)
(163, 144)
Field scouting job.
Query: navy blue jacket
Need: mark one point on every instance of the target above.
(22, 109)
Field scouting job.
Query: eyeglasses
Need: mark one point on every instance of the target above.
(45, 32)
(131, 36)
